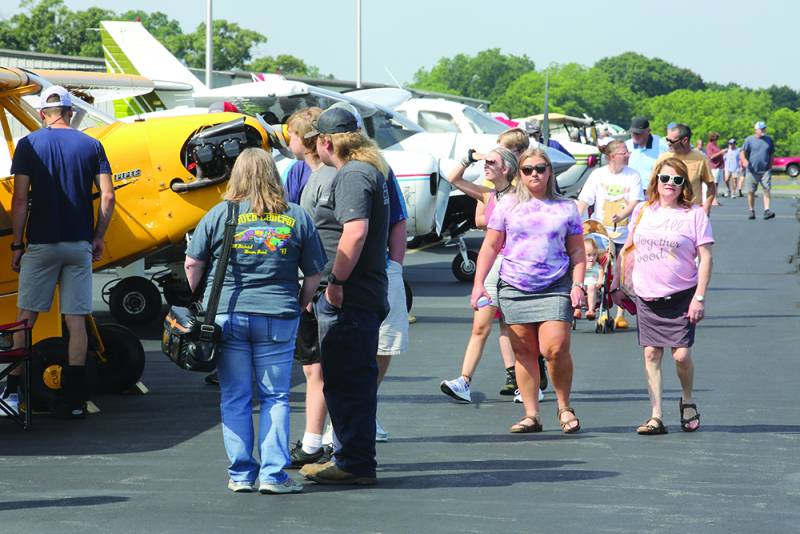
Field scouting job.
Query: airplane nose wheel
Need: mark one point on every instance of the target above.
(464, 269)
(135, 301)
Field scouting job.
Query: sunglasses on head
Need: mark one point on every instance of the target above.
(667, 178)
(527, 170)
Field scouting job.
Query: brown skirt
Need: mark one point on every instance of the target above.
(663, 322)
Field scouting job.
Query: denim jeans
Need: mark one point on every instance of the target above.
(349, 347)
(264, 345)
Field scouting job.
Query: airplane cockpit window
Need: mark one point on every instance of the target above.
(437, 122)
(388, 129)
(482, 123)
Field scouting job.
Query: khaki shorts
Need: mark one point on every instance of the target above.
(393, 336)
(754, 178)
(44, 265)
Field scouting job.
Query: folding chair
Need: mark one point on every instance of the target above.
(15, 358)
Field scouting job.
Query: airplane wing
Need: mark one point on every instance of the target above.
(388, 97)
(99, 86)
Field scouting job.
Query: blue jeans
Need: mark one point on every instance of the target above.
(265, 345)
(349, 347)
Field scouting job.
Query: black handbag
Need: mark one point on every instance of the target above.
(190, 334)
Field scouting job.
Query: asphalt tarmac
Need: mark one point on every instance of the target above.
(155, 463)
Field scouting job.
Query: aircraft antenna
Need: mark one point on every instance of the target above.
(393, 78)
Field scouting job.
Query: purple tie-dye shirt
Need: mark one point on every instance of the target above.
(535, 253)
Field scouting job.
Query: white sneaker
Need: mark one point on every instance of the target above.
(458, 389)
(13, 403)
(290, 485)
(380, 433)
(518, 396)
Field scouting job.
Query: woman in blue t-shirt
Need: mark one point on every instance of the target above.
(259, 310)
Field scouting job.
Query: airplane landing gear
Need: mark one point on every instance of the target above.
(465, 262)
(135, 300)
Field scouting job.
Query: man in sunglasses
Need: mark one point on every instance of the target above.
(679, 140)
(757, 156)
(644, 148)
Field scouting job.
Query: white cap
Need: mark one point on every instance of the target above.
(65, 100)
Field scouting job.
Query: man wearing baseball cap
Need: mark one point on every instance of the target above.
(757, 155)
(59, 166)
(352, 216)
(644, 147)
(733, 169)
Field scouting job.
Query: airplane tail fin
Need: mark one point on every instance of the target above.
(129, 48)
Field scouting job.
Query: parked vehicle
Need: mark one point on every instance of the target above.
(790, 166)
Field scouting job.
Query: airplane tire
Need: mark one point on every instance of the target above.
(177, 293)
(464, 271)
(52, 354)
(125, 359)
(135, 300)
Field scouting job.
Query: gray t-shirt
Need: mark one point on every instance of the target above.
(757, 151)
(318, 181)
(262, 273)
(357, 191)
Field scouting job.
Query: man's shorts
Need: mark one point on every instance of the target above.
(719, 175)
(393, 336)
(732, 174)
(754, 178)
(68, 264)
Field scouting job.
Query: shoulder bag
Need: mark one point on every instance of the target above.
(190, 334)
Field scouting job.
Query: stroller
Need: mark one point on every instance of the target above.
(605, 258)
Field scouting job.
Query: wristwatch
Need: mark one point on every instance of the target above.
(578, 284)
(335, 281)
(14, 247)
(700, 298)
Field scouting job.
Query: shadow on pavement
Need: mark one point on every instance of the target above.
(70, 502)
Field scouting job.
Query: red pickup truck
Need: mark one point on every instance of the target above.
(790, 166)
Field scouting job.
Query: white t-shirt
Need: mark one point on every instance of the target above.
(610, 194)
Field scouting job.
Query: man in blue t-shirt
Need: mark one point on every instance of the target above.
(756, 157)
(59, 165)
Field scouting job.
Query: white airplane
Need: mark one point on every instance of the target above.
(421, 160)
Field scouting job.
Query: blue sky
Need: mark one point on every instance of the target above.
(750, 43)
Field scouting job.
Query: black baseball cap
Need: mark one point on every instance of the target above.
(639, 125)
(333, 120)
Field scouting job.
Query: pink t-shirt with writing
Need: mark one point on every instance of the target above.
(666, 248)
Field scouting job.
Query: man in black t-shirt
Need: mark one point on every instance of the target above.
(352, 217)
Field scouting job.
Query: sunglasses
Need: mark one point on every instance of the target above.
(527, 170)
(667, 178)
(672, 142)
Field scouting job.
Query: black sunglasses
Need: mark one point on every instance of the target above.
(528, 169)
(672, 142)
(667, 178)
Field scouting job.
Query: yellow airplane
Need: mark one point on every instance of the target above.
(167, 174)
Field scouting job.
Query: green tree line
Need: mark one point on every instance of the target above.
(49, 27)
(617, 89)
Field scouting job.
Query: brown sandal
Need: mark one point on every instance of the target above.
(522, 428)
(568, 421)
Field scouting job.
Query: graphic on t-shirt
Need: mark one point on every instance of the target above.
(271, 237)
(615, 203)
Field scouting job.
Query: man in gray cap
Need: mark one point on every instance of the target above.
(645, 148)
(757, 155)
(59, 165)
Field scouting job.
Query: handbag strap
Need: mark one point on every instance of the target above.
(222, 265)
(639, 218)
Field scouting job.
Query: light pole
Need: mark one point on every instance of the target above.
(358, 44)
(209, 49)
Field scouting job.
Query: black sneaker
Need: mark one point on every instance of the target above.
(740, 193)
(768, 214)
(61, 411)
(510, 385)
(212, 379)
(327, 454)
(542, 373)
(752, 216)
(300, 458)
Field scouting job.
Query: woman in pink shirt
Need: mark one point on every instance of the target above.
(673, 266)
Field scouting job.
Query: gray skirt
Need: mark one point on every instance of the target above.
(663, 322)
(552, 303)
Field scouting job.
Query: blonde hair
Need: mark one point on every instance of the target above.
(687, 192)
(351, 146)
(255, 178)
(300, 123)
(521, 193)
(592, 245)
(514, 139)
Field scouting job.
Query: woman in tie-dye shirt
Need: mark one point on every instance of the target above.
(541, 282)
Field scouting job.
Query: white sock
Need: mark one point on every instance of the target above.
(311, 442)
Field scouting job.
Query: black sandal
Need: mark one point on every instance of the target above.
(650, 430)
(695, 417)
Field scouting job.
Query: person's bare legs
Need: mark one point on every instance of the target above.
(524, 339)
(383, 365)
(591, 296)
(652, 375)
(316, 409)
(685, 367)
(481, 328)
(766, 199)
(554, 342)
(78, 339)
(506, 350)
(751, 201)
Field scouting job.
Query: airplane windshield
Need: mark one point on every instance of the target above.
(482, 123)
(387, 128)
